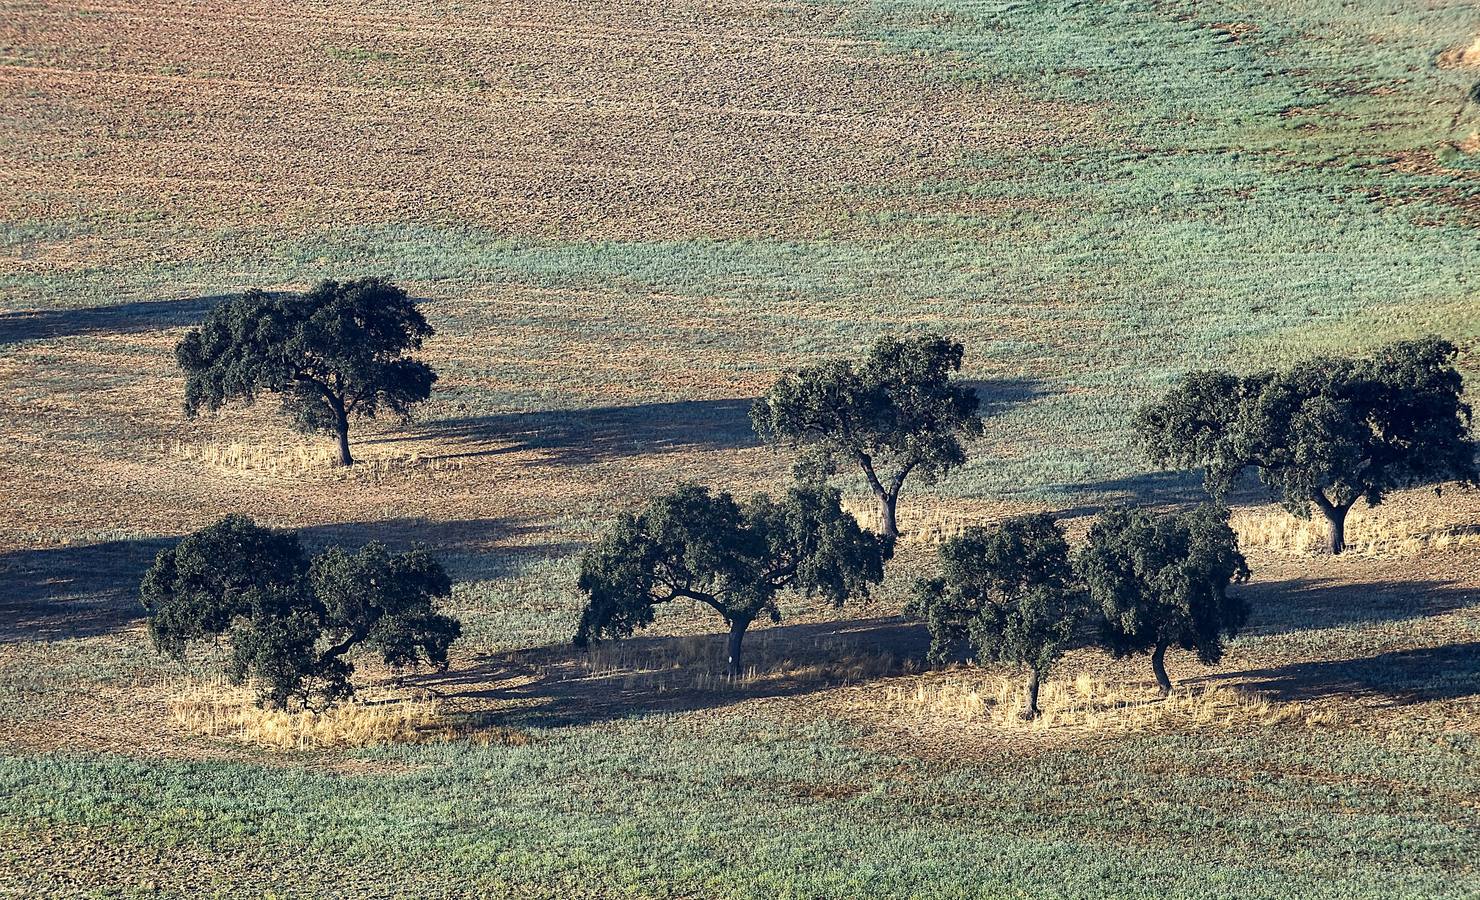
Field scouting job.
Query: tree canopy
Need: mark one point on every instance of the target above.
(1161, 581)
(1007, 595)
(1324, 433)
(336, 352)
(694, 544)
(291, 621)
(896, 412)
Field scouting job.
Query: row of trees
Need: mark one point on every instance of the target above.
(1322, 434)
(1014, 594)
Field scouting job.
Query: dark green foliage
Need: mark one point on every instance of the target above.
(1325, 433)
(734, 558)
(291, 621)
(337, 352)
(1195, 425)
(898, 411)
(1005, 595)
(1161, 581)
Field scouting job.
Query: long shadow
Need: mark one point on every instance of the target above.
(996, 396)
(1307, 604)
(552, 686)
(91, 590)
(123, 318)
(1400, 677)
(1164, 488)
(583, 436)
(72, 592)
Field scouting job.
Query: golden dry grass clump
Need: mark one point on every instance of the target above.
(1090, 704)
(923, 526)
(1369, 532)
(298, 461)
(218, 709)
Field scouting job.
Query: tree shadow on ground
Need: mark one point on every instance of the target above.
(122, 318)
(584, 436)
(1308, 604)
(998, 395)
(1164, 488)
(1396, 678)
(73, 592)
(551, 686)
(91, 590)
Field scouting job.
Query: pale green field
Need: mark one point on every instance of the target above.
(1093, 196)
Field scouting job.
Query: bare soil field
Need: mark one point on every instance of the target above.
(624, 219)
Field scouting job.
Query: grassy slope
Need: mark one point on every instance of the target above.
(1202, 197)
(1219, 181)
(678, 809)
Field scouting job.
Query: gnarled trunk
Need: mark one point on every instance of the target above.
(888, 525)
(341, 431)
(1336, 520)
(732, 647)
(1030, 703)
(1159, 669)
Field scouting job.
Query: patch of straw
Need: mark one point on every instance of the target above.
(297, 461)
(928, 526)
(1086, 703)
(1369, 532)
(218, 709)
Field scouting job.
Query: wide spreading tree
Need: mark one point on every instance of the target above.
(292, 621)
(897, 412)
(1161, 581)
(1325, 433)
(336, 352)
(736, 558)
(1006, 595)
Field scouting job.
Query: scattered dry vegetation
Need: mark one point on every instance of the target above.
(1376, 532)
(273, 461)
(218, 709)
(1088, 706)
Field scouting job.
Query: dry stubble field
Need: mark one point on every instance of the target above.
(625, 219)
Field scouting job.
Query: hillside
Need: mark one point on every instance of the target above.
(624, 220)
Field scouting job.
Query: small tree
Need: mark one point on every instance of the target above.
(734, 558)
(1325, 433)
(291, 622)
(898, 411)
(1162, 581)
(1005, 595)
(337, 352)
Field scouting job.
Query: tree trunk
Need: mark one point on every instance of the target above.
(888, 525)
(341, 430)
(737, 635)
(1159, 668)
(1030, 704)
(1336, 519)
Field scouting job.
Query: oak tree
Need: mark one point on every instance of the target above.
(735, 558)
(1006, 595)
(338, 351)
(897, 412)
(1325, 433)
(291, 621)
(1161, 581)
